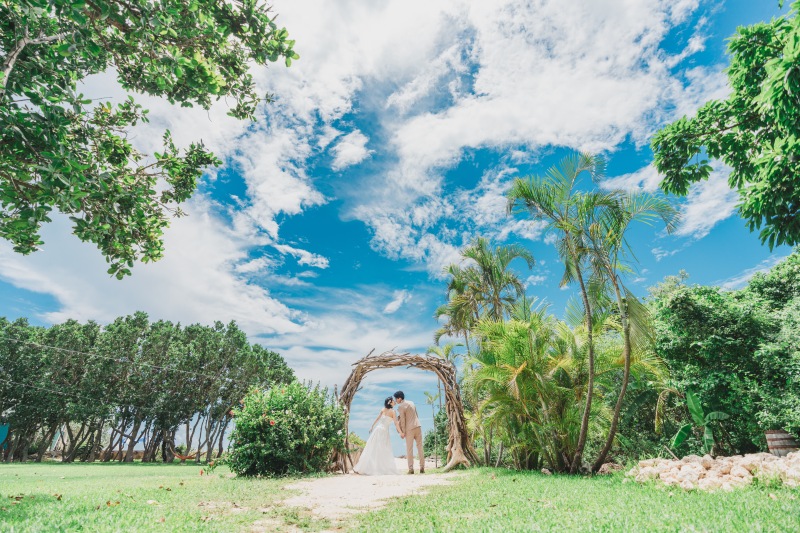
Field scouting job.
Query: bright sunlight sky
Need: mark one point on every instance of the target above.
(389, 146)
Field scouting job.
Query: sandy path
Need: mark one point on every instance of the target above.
(339, 496)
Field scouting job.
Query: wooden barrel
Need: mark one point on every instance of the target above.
(780, 443)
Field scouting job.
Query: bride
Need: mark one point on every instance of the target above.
(377, 458)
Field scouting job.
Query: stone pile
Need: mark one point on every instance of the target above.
(726, 473)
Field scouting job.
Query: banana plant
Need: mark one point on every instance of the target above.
(702, 421)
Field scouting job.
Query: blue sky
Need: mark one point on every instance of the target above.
(389, 146)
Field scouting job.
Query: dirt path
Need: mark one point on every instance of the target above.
(340, 496)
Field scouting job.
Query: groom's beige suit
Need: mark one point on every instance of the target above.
(408, 424)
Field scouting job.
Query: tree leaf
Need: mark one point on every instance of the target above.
(682, 434)
(695, 409)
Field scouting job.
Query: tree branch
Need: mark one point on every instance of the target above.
(13, 55)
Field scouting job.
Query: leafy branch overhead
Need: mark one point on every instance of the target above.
(754, 131)
(61, 151)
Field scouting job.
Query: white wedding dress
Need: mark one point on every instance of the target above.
(377, 458)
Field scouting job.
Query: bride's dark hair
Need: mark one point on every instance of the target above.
(387, 403)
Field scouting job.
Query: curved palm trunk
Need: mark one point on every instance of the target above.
(626, 374)
(578, 457)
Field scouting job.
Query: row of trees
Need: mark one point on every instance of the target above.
(99, 391)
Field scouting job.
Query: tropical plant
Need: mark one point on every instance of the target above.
(736, 349)
(610, 256)
(62, 151)
(485, 286)
(702, 421)
(568, 214)
(532, 372)
(753, 131)
(462, 309)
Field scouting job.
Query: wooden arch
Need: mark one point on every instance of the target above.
(459, 448)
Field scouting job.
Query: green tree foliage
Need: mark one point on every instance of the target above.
(95, 389)
(573, 216)
(533, 373)
(737, 350)
(286, 430)
(60, 151)
(483, 286)
(703, 422)
(754, 131)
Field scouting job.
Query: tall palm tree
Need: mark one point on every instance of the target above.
(610, 257)
(484, 287)
(462, 309)
(569, 214)
(496, 287)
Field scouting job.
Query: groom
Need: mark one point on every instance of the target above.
(408, 426)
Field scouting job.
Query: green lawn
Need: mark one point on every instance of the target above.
(502, 500)
(155, 497)
(139, 497)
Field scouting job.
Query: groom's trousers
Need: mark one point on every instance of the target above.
(411, 436)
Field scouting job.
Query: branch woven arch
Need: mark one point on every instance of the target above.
(459, 447)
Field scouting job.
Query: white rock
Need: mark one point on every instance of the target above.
(739, 471)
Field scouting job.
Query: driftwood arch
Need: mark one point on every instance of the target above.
(459, 448)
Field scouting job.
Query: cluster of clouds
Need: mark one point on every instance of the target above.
(436, 80)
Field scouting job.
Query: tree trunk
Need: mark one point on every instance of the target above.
(221, 440)
(577, 459)
(626, 373)
(132, 441)
(499, 456)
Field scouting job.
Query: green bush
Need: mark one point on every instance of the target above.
(286, 430)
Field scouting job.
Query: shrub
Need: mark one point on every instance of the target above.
(286, 430)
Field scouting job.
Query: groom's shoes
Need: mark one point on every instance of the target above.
(421, 470)
(410, 470)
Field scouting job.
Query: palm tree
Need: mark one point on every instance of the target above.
(531, 372)
(462, 309)
(569, 215)
(443, 352)
(496, 287)
(608, 252)
(485, 286)
(431, 399)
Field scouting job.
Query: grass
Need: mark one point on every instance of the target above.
(141, 497)
(155, 497)
(504, 500)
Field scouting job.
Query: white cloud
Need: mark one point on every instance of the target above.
(350, 150)
(398, 299)
(707, 204)
(740, 280)
(661, 253)
(197, 281)
(535, 280)
(304, 257)
(646, 178)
